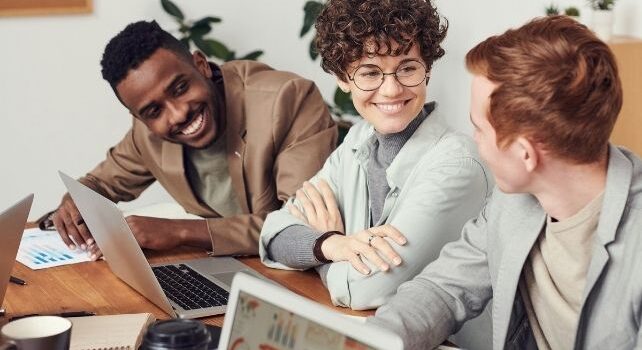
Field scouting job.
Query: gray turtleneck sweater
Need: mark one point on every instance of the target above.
(294, 245)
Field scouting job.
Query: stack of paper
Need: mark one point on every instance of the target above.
(109, 332)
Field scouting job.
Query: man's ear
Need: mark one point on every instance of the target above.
(201, 63)
(343, 85)
(528, 153)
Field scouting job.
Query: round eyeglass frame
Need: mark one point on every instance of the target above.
(383, 77)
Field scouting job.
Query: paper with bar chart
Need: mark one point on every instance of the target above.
(42, 249)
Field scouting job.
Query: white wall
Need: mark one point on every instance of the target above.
(56, 112)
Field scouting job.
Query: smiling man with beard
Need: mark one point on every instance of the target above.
(229, 143)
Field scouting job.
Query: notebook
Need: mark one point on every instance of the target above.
(123, 331)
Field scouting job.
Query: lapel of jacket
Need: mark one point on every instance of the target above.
(524, 231)
(174, 169)
(618, 182)
(236, 130)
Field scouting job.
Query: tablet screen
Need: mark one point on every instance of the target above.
(259, 325)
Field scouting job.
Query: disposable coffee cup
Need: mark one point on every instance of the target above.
(36, 333)
(176, 335)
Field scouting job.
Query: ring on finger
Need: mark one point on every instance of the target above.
(370, 240)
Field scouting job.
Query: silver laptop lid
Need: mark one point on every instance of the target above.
(12, 224)
(262, 315)
(116, 241)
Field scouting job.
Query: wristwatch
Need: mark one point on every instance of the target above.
(316, 250)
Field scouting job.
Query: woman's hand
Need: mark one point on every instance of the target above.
(320, 209)
(369, 244)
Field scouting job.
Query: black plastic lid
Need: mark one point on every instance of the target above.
(176, 334)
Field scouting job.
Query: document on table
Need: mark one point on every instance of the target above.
(42, 249)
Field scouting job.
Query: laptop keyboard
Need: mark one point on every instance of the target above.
(188, 288)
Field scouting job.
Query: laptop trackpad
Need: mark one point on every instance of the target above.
(225, 277)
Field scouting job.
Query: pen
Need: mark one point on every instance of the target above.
(62, 314)
(77, 314)
(17, 280)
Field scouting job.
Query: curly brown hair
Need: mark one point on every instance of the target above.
(349, 29)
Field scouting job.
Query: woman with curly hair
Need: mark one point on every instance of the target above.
(402, 184)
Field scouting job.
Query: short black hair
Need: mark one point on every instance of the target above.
(133, 45)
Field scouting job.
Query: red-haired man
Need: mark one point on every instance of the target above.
(558, 245)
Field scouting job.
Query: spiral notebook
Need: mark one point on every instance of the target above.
(112, 332)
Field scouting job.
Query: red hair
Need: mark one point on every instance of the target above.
(558, 85)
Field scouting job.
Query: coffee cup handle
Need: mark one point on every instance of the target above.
(9, 345)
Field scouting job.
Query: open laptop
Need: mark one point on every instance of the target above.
(187, 289)
(262, 315)
(12, 224)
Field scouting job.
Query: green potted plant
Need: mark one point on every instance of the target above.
(195, 32)
(602, 18)
(342, 108)
(602, 5)
(552, 10)
(572, 11)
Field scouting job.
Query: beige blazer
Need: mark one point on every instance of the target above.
(279, 133)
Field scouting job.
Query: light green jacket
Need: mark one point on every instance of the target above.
(436, 184)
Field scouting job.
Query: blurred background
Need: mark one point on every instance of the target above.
(56, 112)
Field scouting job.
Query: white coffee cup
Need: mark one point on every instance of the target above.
(36, 333)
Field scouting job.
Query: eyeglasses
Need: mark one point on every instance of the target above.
(369, 77)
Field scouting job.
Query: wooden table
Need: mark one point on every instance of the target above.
(91, 286)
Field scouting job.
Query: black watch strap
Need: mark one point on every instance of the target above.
(318, 254)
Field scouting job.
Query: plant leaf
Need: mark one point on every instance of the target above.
(212, 47)
(312, 51)
(200, 29)
(311, 9)
(207, 20)
(343, 101)
(253, 56)
(172, 9)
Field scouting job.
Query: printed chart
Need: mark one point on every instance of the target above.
(43, 249)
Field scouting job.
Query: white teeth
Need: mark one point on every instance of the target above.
(390, 108)
(194, 126)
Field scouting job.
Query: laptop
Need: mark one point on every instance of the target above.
(262, 315)
(185, 289)
(12, 224)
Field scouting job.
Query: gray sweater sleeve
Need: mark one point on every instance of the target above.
(293, 247)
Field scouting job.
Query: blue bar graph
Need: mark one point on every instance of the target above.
(42, 249)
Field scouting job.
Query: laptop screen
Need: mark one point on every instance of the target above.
(259, 325)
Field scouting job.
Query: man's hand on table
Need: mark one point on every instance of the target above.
(162, 234)
(151, 233)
